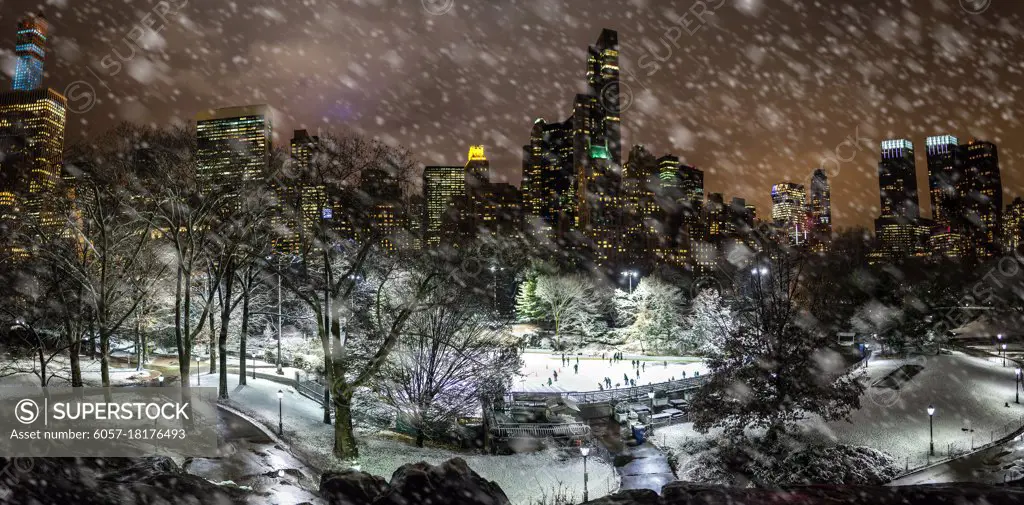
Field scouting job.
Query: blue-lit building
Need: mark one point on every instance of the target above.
(31, 53)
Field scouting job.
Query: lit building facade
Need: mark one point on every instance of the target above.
(899, 229)
(441, 186)
(789, 210)
(1013, 225)
(30, 52)
(984, 196)
(233, 148)
(820, 211)
(32, 125)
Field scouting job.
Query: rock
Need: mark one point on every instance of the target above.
(88, 481)
(450, 483)
(351, 487)
(629, 497)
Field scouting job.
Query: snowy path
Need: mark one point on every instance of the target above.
(968, 393)
(523, 477)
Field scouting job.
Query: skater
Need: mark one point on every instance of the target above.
(625, 377)
(666, 364)
(556, 375)
(576, 368)
(632, 382)
(600, 387)
(644, 366)
(577, 360)
(638, 374)
(684, 374)
(549, 381)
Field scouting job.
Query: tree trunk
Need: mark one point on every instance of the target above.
(104, 356)
(92, 338)
(419, 437)
(344, 435)
(76, 364)
(182, 306)
(42, 365)
(139, 351)
(222, 343)
(243, 337)
(214, 344)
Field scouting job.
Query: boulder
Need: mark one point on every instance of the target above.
(450, 483)
(351, 487)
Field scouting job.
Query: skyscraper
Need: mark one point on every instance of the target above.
(789, 210)
(1013, 226)
(233, 148)
(603, 81)
(984, 195)
(32, 122)
(30, 52)
(900, 231)
(944, 173)
(820, 211)
(897, 178)
(547, 186)
(441, 185)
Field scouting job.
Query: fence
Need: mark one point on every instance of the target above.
(614, 395)
(974, 440)
(538, 430)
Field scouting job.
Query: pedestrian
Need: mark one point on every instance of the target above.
(666, 364)
(684, 374)
(600, 387)
(556, 375)
(576, 368)
(632, 382)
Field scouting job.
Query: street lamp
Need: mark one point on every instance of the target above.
(279, 320)
(1016, 385)
(651, 396)
(280, 412)
(585, 451)
(1004, 354)
(999, 337)
(931, 430)
(630, 275)
(160, 380)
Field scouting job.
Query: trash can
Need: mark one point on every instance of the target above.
(639, 433)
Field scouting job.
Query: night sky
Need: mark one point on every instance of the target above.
(760, 92)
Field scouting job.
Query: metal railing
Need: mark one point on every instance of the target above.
(551, 430)
(614, 395)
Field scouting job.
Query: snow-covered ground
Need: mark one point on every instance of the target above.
(523, 477)
(968, 393)
(538, 367)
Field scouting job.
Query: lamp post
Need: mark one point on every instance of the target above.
(160, 380)
(630, 275)
(931, 430)
(1016, 386)
(585, 451)
(651, 396)
(1004, 354)
(279, 320)
(999, 339)
(280, 412)
(254, 365)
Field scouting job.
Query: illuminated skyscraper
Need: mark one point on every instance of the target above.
(820, 211)
(32, 122)
(789, 210)
(603, 81)
(984, 196)
(897, 179)
(547, 186)
(301, 202)
(944, 173)
(900, 231)
(31, 53)
(1013, 225)
(233, 148)
(441, 186)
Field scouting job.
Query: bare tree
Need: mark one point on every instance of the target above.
(453, 354)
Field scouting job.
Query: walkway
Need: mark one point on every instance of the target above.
(639, 466)
(995, 465)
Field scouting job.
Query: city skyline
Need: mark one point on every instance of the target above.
(786, 132)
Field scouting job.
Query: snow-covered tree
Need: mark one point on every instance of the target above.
(768, 371)
(708, 324)
(569, 304)
(658, 321)
(452, 355)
